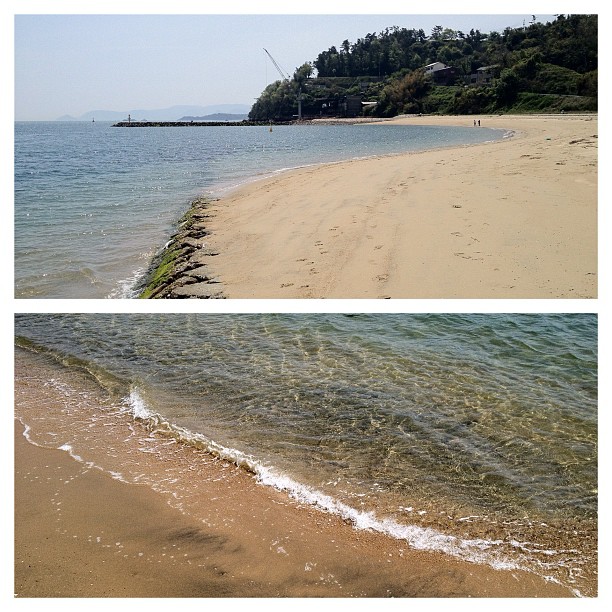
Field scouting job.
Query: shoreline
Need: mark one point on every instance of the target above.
(117, 500)
(514, 218)
(90, 535)
(104, 514)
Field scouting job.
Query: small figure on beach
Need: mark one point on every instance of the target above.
(479, 123)
(474, 122)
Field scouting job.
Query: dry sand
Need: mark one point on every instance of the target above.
(510, 219)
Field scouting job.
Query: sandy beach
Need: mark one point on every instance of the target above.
(516, 218)
(185, 523)
(81, 533)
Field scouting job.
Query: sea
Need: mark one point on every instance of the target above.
(470, 434)
(94, 203)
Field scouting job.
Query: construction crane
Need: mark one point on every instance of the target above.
(284, 76)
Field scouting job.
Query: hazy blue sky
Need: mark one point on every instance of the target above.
(71, 64)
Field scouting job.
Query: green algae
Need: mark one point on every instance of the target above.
(163, 270)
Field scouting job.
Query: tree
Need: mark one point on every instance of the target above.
(449, 53)
(404, 95)
(436, 32)
(449, 34)
(304, 72)
(506, 90)
(278, 102)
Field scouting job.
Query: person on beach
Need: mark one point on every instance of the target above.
(479, 123)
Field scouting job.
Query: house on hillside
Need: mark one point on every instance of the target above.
(441, 73)
(435, 67)
(484, 75)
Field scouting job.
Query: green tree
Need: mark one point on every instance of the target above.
(506, 89)
(436, 32)
(404, 95)
(304, 72)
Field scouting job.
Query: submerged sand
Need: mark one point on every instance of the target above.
(515, 218)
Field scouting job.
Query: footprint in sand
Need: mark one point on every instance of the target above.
(458, 234)
(378, 246)
(286, 285)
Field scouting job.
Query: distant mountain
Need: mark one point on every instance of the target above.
(216, 117)
(173, 113)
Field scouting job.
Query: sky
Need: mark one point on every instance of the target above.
(69, 63)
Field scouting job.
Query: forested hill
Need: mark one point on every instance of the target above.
(551, 67)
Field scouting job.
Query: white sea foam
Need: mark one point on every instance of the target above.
(26, 433)
(70, 450)
(421, 538)
(476, 550)
(127, 287)
(138, 406)
(90, 464)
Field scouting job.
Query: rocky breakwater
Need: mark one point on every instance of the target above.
(157, 124)
(182, 268)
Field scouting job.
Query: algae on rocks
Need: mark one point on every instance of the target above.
(181, 269)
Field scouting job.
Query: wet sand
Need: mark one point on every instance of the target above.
(510, 219)
(81, 533)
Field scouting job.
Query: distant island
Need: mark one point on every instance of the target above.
(172, 113)
(216, 117)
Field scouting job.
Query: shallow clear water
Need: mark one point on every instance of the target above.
(479, 426)
(93, 203)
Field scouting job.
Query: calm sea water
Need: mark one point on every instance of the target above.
(94, 203)
(472, 434)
